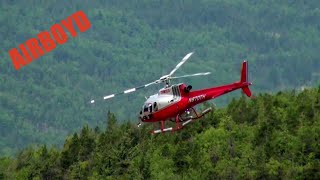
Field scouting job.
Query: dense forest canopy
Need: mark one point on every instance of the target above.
(135, 42)
(268, 137)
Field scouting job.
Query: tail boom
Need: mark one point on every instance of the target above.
(199, 96)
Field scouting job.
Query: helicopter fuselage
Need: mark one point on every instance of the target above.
(176, 102)
(178, 98)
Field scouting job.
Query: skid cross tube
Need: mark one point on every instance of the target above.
(184, 122)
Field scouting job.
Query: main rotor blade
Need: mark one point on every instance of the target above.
(190, 75)
(180, 63)
(125, 92)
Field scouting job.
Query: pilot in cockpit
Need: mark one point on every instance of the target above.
(148, 109)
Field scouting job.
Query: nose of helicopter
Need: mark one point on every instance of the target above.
(143, 115)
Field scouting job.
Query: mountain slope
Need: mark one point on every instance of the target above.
(268, 137)
(136, 42)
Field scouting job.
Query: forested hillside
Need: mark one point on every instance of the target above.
(133, 42)
(268, 137)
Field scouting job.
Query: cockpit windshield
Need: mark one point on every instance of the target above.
(145, 108)
(148, 108)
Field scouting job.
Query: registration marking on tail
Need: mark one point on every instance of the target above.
(197, 98)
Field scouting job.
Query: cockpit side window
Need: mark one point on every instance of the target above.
(150, 108)
(155, 107)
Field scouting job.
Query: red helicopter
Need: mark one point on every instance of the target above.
(176, 102)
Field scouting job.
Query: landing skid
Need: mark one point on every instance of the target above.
(181, 121)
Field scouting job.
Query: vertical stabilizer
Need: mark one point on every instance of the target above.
(244, 78)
